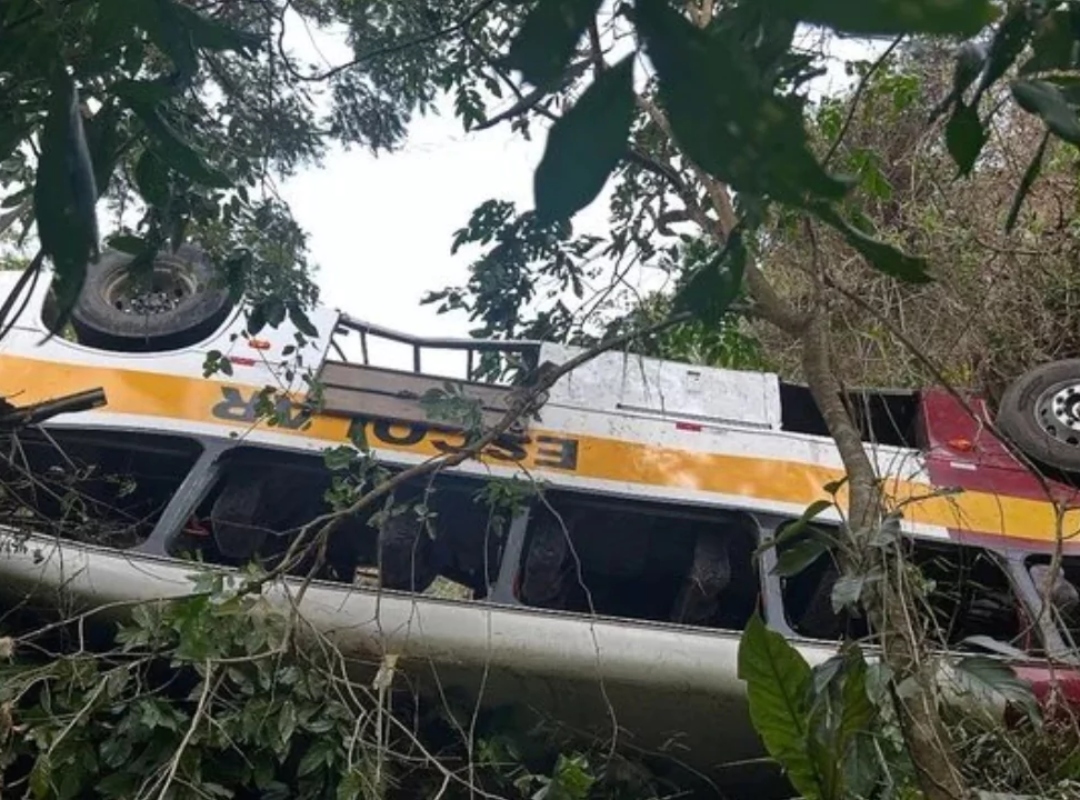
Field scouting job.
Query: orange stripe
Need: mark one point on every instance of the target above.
(181, 398)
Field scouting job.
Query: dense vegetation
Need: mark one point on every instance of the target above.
(834, 239)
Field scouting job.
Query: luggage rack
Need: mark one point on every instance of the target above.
(527, 351)
(363, 390)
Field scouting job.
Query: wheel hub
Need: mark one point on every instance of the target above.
(1058, 413)
(159, 292)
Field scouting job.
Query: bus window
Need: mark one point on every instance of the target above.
(640, 561)
(438, 539)
(1064, 593)
(807, 595)
(968, 593)
(102, 487)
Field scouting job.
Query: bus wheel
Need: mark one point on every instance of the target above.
(1040, 413)
(175, 306)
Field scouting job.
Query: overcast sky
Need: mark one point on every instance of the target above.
(381, 228)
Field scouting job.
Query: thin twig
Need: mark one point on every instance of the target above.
(859, 90)
(465, 20)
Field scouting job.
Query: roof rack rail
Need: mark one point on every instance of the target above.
(528, 350)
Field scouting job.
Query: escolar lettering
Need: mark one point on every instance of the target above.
(550, 451)
(554, 452)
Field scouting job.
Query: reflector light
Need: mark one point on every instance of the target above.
(964, 445)
(688, 426)
(259, 344)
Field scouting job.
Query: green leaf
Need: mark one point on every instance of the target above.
(16, 198)
(1008, 42)
(274, 309)
(350, 786)
(161, 22)
(846, 592)
(833, 487)
(710, 291)
(853, 718)
(104, 140)
(970, 60)
(152, 179)
(724, 111)
(1052, 46)
(301, 322)
(1046, 101)
(794, 559)
(965, 136)
(210, 34)
(287, 721)
(778, 681)
(172, 149)
(256, 319)
(956, 17)
(149, 93)
(65, 193)
(883, 256)
(543, 47)
(314, 758)
(132, 245)
(987, 679)
(41, 776)
(585, 145)
(812, 511)
(1031, 174)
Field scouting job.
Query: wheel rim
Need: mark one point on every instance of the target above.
(1057, 412)
(163, 290)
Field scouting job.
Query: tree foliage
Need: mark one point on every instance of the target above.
(765, 212)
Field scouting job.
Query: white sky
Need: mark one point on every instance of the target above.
(381, 228)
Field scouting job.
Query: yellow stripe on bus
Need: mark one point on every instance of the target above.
(173, 397)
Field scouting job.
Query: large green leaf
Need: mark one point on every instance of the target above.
(987, 680)
(585, 145)
(65, 193)
(710, 291)
(882, 255)
(1052, 45)
(796, 557)
(211, 34)
(1009, 40)
(1046, 101)
(152, 179)
(543, 47)
(840, 708)
(970, 62)
(958, 17)
(723, 109)
(172, 148)
(778, 682)
(104, 141)
(965, 136)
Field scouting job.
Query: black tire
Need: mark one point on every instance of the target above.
(187, 304)
(1040, 414)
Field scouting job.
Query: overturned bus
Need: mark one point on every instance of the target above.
(615, 573)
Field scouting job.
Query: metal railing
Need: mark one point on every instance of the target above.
(527, 351)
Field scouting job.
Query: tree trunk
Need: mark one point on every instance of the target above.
(927, 740)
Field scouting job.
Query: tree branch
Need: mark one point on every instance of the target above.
(856, 97)
(21, 416)
(465, 20)
(523, 402)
